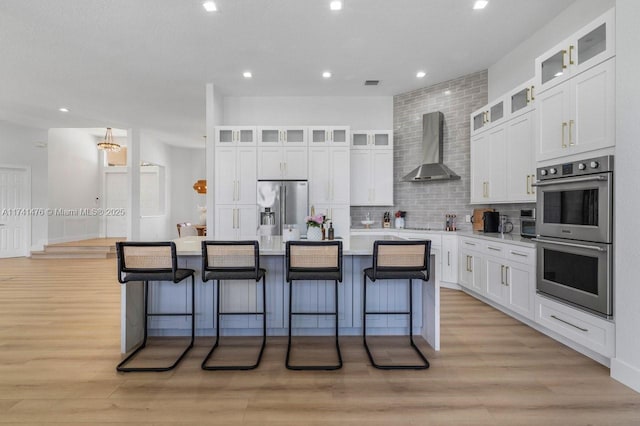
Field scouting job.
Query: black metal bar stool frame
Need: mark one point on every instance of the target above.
(320, 273)
(396, 272)
(219, 273)
(145, 274)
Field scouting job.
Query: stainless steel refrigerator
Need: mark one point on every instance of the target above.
(282, 203)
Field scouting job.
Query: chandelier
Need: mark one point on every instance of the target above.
(108, 144)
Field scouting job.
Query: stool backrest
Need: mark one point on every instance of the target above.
(314, 256)
(234, 256)
(146, 257)
(397, 256)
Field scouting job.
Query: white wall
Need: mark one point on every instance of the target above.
(359, 112)
(18, 148)
(157, 227)
(626, 366)
(74, 183)
(518, 66)
(185, 200)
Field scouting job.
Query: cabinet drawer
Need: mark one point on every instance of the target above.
(521, 255)
(591, 332)
(470, 244)
(495, 249)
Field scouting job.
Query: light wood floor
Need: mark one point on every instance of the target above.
(59, 344)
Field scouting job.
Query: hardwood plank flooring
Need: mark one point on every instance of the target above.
(59, 344)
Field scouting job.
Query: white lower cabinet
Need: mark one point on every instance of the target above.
(470, 265)
(449, 258)
(597, 334)
(236, 222)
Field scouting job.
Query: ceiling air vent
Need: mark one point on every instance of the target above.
(371, 82)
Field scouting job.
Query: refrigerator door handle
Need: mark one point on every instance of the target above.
(284, 205)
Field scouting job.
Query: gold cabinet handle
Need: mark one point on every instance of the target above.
(533, 98)
(528, 183)
(571, 123)
(564, 52)
(502, 274)
(448, 258)
(528, 94)
(470, 263)
(564, 126)
(506, 276)
(533, 177)
(571, 54)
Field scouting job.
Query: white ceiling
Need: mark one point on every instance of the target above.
(144, 63)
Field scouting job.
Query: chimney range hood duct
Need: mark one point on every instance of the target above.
(432, 150)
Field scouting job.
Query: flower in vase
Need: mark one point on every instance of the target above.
(315, 221)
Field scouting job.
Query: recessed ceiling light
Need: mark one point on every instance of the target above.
(480, 4)
(326, 74)
(447, 92)
(335, 5)
(63, 109)
(421, 74)
(247, 74)
(209, 6)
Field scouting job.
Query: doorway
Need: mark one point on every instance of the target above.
(15, 211)
(116, 197)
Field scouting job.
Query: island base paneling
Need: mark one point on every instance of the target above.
(309, 296)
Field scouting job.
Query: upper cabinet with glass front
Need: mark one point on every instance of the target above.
(235, 136)
(282, 135)
(329, 136)
(521, 99)
(586, 48)
(489, 115)
(372, 139)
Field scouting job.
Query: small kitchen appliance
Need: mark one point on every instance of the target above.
(490, 222)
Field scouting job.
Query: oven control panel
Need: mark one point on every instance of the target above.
(576, 168)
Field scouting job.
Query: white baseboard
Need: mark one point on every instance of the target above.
(626, 374)
(452, 286)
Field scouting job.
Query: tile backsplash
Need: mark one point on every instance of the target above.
(427, 203)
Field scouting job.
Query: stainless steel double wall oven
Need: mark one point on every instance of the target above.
(575, 233)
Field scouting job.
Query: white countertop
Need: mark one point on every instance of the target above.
(357, 245)
(515, 239)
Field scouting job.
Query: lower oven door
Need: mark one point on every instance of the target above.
(576, 272)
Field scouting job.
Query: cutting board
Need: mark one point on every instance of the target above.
(478, 224)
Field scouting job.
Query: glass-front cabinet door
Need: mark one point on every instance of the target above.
(381, 139)
(318, 136)
(294, 135)
(339, 136)
(521, 99)
(359, 139)
(479, 120)
(234, 135)
(593, 44)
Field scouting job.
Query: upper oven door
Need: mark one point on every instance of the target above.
(577, 208)
(575, 272)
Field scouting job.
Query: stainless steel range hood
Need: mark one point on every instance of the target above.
(432, 149)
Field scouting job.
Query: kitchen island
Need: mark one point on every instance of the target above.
(245, 296)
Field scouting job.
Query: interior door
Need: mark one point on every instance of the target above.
(116, 198)
(14, 212)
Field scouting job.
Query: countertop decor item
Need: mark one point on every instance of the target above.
(314, 227)
(400, 215)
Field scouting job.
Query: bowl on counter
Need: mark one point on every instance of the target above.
(367, 223)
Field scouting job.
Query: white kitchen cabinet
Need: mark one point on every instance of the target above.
(235, 136)
(372, 139)
(450, 258)
(282, 136)
(578, 115)
(279, 162)
(521, 164)
(480, 156)
(490, 115)
(591, 45)
(329, 136)
(329, 175)
(489, 166)
(521, 99)
(236, 222)
(470, 265)
(235, 175)
(339, 215)
(371, 177)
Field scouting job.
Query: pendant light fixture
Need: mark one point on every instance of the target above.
(108, 144)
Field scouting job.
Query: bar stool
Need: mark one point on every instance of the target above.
(155, 261)
(233, 260)
(316, 261)
(398, 260)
